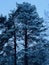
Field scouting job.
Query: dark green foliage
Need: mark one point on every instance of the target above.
(31, 25)
(7, 58)
(2, 19)
(23, 24)
(30, 20)
(37, 55)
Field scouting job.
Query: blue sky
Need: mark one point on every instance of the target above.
(7, 5)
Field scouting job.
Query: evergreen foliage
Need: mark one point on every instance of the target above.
(27, 31)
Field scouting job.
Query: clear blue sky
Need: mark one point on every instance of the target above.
(7, 5)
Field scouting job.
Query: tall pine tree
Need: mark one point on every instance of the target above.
(32, 25)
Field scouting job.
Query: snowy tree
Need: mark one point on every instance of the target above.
(10, 24)
(6, 35)
(31, 25)
(2, 29)
(24, 27)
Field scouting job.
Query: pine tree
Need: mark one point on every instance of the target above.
(7, 34)
(24, 22)
(13, 27)
(2, 29)
(31, 24)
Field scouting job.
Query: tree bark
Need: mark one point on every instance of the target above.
(25, 57)
(15, 46)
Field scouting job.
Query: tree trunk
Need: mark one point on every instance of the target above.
(25, 57)
(15, 46)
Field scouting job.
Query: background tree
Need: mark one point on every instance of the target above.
(8, 33)
(2, 29)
